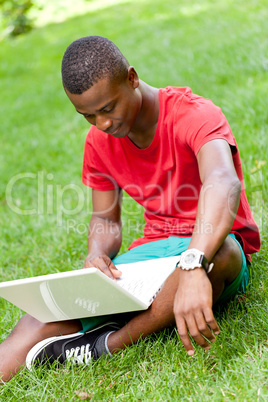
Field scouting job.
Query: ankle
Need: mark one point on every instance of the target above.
(114, 342)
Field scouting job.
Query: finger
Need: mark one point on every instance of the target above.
(184, 336)
(116, 272)
(103, 266)
(88, 264)
(193, 323)
(204, 334)
(210, 320)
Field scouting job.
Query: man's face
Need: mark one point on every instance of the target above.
(110, 106)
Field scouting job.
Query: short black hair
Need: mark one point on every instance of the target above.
(90, 59)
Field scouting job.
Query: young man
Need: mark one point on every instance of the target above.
(174, 153)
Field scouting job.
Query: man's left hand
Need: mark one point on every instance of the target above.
(193, 310)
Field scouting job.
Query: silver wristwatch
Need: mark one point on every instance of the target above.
(193, 258)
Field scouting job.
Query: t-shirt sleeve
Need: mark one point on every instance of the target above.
(206, 122)
(95, 174)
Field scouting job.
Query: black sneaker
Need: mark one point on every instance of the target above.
(78, 348)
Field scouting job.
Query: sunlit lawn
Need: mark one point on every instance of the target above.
(219, 49)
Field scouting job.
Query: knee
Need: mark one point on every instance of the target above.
(228, 254)
(228, 260)
(38, 329)
(30, 324)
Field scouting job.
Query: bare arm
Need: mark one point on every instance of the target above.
(219, 197)
(105, 234)
(217, 208)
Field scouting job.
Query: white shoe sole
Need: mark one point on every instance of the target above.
(41, 345)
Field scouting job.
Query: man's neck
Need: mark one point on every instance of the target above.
(145, 125)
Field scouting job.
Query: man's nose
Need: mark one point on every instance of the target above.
(103, 123)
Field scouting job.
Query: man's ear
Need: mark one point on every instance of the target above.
(133, 77)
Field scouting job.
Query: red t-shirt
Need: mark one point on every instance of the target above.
(164, 177)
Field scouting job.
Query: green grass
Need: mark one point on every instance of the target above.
(219, 49)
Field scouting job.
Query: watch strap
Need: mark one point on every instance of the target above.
(203, 262)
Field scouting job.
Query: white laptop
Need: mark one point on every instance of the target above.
(88, 292)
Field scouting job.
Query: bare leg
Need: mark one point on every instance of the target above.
(228, 262)
(29, 331)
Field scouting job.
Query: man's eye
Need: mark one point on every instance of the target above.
(108, 110)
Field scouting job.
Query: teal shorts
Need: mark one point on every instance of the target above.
(167, 248)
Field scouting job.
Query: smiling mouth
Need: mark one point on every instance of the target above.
(113, 132)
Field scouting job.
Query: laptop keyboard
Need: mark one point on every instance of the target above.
(139, 288)
(146, 278)
(136, 288)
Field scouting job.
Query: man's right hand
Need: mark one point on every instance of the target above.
(104, 264)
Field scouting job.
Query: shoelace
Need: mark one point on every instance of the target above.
(79, 355)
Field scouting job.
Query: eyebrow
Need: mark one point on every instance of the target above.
(98, 110)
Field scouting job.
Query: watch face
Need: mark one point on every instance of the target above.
(189, 258)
